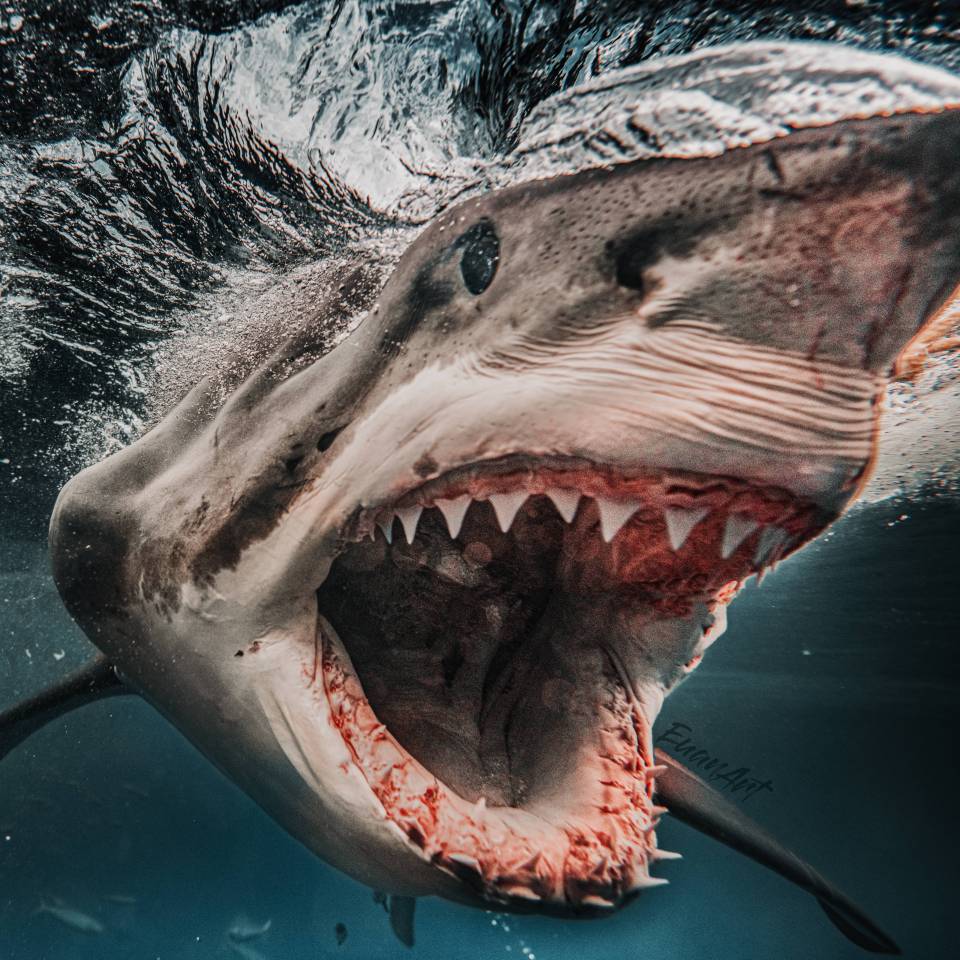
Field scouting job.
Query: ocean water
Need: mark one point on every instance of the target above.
(161, 161)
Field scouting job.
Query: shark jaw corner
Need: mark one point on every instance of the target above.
(426, 591)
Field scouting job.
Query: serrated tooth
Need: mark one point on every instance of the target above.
(592, 900)
(506, 505)
(680, 522)
(770, 538)
(531, 864)
(645, 883)
(614, 514)
(521, 892)
(566, 502)
(657, 770)
(658, 854)
(410, 517)
(465, 860)
(387, 527)
(600, 866)
(738, 528)
(453, 512)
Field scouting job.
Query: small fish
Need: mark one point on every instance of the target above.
(244, 930)
(74, 919)
(122, 898)
(340, 931)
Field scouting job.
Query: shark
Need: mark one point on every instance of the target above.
(421, 593)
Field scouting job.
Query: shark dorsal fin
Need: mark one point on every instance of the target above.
(93, 681)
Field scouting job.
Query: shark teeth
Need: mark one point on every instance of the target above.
(506, 507)
(566, 502)
(453, 512)
(738, 528)
(465, 860)
(769, 543)
(680, 523)
(614, 514)
(524, 893)
(593, 900)
(410, 517)
(646, 882)
(657, 854)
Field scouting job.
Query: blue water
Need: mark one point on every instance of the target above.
(132, 215)
(837, 682)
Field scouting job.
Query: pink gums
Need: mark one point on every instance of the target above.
(594, 858)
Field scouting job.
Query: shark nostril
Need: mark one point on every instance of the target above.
(326, 441)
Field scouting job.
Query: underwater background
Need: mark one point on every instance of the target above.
(161, 163)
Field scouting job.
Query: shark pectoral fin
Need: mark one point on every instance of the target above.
(95, 680)
(690, 800)
(401, 918)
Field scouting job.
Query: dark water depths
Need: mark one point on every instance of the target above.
(158, 161)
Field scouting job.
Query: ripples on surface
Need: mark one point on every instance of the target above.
(162, 163)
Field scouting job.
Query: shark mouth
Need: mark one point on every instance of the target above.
(495, 645)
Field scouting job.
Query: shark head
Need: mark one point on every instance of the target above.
(422, 595)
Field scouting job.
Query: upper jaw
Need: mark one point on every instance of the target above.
(740, 527)
(770, 519)
(635, 405)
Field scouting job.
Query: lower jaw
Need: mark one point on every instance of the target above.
(427, 620)
(591, 859)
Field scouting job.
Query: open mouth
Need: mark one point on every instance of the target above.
(495, 645)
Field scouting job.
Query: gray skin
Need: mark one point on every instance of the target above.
(735, 316)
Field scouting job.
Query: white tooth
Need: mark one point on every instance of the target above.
(387, 527)
(506, 505)
(453, 512)
(738, 528)
(592, 900)
(614, 514)
(658, 854)
(410, 517)
(770, 538)
(465, 860)
(645, 883)
(525, 893)
(680, 522)
(565, 501)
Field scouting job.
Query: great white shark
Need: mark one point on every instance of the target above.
(422, 594)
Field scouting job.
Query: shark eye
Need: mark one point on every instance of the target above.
(481, 256)
(630, 266)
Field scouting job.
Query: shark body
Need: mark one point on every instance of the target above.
(422, 594)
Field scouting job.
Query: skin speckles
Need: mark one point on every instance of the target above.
(654, 339)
